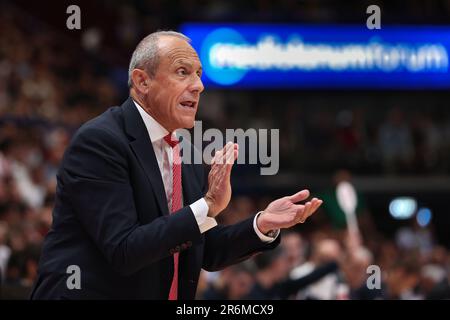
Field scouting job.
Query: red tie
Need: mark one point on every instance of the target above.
(176, 204)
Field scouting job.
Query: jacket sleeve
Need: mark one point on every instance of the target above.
(227, 245)
(95, 180)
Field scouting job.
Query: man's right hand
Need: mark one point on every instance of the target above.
(219, 185)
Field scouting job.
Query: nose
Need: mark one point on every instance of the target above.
(197, 86)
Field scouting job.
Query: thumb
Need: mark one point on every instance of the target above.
(299, 196)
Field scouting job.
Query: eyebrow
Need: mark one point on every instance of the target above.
(187, 64)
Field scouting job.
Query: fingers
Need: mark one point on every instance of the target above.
(307, 210)
(299, 196)
(231, 153)
(302, 214)
(316, 205)
(214, 166)
(222, 162)
(217, 170)
(227, 155)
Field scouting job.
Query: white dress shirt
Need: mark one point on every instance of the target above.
(163, 153)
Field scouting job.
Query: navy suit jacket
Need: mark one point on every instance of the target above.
(111, 219)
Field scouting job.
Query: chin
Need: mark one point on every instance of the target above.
(188, 124)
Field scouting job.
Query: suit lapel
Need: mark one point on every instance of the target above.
(143, 149)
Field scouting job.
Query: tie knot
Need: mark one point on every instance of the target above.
(171, 141)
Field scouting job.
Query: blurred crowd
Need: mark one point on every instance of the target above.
(49, 86)
(400, 134)
(324, 265)
(323, 260)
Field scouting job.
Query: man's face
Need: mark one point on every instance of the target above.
(174, 90)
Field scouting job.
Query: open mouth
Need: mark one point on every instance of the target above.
(188, 104)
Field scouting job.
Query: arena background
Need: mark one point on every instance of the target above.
(388, 143)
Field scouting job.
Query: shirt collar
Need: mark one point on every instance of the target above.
(155, 130)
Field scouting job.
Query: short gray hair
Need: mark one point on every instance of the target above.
(146, 54)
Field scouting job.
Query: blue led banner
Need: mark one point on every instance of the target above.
(298, 56)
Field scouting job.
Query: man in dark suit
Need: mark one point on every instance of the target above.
(131, 220)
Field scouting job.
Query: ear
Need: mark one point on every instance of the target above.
(141, 81)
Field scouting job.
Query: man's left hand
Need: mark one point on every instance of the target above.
(285, 213)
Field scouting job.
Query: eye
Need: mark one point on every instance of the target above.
(182, 72)
(199, 73)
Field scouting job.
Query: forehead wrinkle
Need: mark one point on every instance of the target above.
(176, 54)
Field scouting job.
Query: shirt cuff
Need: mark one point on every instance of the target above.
(200, 209)
(261, 235)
